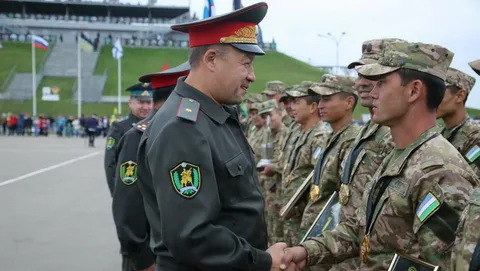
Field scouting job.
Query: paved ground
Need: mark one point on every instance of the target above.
(55, 208)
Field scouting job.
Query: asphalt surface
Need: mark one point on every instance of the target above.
(55, 208)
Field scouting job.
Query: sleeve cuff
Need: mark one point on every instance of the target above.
(312, 250)
(263, 261)
(143, 259)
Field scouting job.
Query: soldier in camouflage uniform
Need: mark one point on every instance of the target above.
(466, 254)
(275, 90)
(460, 130)
(418, 193)
(338, 99)
(255, 135)
(272, 173)
(285, 102)
(248, 125)
(302, 146)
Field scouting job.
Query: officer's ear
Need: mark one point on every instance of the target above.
(212, 55)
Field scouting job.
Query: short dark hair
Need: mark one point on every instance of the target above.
(345, 95)
(195, 54)
(455, 89)
(312, 99)
(161, 94)
(434, 85)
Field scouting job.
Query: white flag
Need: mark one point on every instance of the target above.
(117, 50)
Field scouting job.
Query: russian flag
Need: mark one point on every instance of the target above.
(39, 42)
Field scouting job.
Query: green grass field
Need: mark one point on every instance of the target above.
(136, 62)
(19, 55)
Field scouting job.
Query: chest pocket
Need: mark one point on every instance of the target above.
(239, 183)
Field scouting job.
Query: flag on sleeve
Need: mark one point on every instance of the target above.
(39, 42)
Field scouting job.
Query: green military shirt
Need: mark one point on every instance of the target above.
(328, 172)
(209, 210)
(412, 199)
(466, 139)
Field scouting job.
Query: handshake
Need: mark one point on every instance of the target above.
(288, 259)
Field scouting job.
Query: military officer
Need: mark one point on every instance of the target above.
(133, 229)
(140, 104)
(460, 130)
(416, 196)
(209, 211)
(303, 148)
(337, 102)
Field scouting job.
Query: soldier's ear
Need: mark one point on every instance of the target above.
(414, 90)
(460, 96)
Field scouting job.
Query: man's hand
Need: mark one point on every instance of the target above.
(276, 251)
(267, 170)
(297, 255)
(151, 268)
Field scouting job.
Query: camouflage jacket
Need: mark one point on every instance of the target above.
(427, 176)
(255, 138)
(286, 119)
(373, 143)
(466, 139)
(466, 253)
(278, 139)
(301, 151)
(328, 171)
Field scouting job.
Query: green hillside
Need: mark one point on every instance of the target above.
(18, 55)
(136, 62)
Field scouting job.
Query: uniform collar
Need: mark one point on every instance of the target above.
(133, 117)
(207, 105)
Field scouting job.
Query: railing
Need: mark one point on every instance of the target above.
(9, 78)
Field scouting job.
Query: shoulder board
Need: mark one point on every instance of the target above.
(142, 126)
(188, 109)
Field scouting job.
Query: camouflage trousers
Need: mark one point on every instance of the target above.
(274, 221)
(291, 229)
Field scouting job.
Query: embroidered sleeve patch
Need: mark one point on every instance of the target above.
(110, 142)
(317, 152)
(186, 179)
(128, 172)
(428, 206)
(473, 154)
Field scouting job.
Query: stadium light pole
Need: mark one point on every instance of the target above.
(337, 44)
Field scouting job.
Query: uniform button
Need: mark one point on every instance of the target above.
(239, 167)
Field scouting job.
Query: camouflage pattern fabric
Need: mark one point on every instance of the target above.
(465, 137)
(424, 170)
(475, 65)
(371, 51)
(274, 87)
(332, 84)
(299, 163)
(335, 151)
(255, 138)
(459, 79)
(428, 58)
(468, 237)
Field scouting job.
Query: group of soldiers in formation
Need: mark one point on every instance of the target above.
(404, 187)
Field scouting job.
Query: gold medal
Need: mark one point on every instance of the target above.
(365, 248)
(344, 194)
(314, 192)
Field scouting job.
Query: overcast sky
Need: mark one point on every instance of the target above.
(295, 25)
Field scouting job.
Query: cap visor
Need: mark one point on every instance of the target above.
(249, 48)
(143, 99)
(182, 68)
(269, 92)
(354, 64)
(374, 71)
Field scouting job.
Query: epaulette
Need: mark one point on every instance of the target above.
(188, 109)
(142, 126)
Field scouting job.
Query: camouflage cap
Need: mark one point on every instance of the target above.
(332, 84)
(254, 98)
(267, 106)
(475, 65)
(428, 58)
(284, 95)
(255, 106)
(372, 51)
(300, 90)
(274, 87)
(459, 79)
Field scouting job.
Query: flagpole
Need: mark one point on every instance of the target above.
(79, 77)
(34, 81)
(119, 85)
